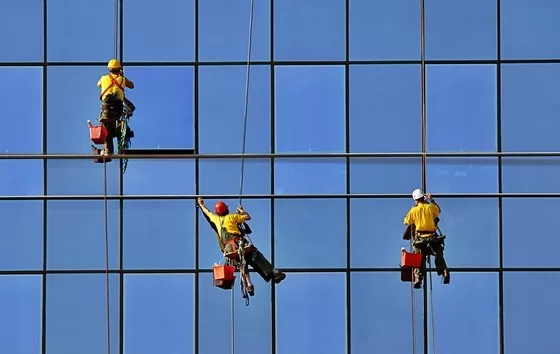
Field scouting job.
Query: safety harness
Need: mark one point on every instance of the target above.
(113, 83)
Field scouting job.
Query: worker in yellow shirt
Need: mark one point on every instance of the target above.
(229, 232)
(113, 98)
(421, 221)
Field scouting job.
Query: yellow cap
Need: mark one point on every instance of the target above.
(114, 64)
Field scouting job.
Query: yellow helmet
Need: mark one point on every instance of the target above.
(114, 64)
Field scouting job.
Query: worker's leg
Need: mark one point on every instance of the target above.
(266, 270)
(110, 125)
(419, 272)
(441, 265)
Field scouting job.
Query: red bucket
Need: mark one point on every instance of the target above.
(98, 134)
(224, 277)
(410, 260)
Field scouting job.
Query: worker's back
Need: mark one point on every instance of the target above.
(112, 85)
(423, 216)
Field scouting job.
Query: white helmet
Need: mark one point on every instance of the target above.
(417, 194)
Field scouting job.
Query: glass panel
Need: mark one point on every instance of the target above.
(384, 30)
(461, 108)
(77, 313)
(159, 177)
(25, 43)
(215, 307)
(297, 299)
(384, 175)
(530, 175)
(21, 305)
(310, 109)
(21, 177)
(477, 331)
(381, 314)
(310, 176)
(529, 28)
(302, 240)
(22, 107)
(385, 102)
(220, 126)
(150, 32)
(460, 29)
(80, 30)
(525, 219)
(81, 177)
(462, 175)
(164, 97)
(76, 234)
(158, 234)
(158, 313)
(526, 322)
(21, 245)
(223, 176)
(223, 33)
(309, 30)
(530, 107)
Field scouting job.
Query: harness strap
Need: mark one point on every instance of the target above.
(113, 83)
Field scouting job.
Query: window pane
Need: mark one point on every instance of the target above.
(298, 228)
(471, 226)
(158, 234)
(22, 108)
(20, 304)
(157, 177)
(297, 298)
(76, 234)
(461, 30)
(478, 314)
(76, 313)
(530, 175)
(21, 177)
(164, 102)
(310, 176)
(215, 307)
(81, 177)
(530, 107)
(21, 246)
(80, 30)
(385, 238)
(209, 249)
(309, 30)
(223, 33)
(384, 30)
(67, 131)
(150, 32)
(462, 175)
(158, 313)
(222, 176)
(516, 233)
(384, 104)
(388, 298)
(310, 108)
(26, 43)
(384, 175)
(461, 108)
(525, 319)
(220, 126)
(528, 28)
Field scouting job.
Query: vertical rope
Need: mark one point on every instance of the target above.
(116, 28)
(105, 221)
(246, 108)
(232, 322)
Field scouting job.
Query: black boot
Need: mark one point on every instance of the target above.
(279, 276)
(446, 277)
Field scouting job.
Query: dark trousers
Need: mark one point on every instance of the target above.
(429, 249)
(261, 265)
(111, 110)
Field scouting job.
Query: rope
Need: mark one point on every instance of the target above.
(246, 107)
(413, 315)
(116, 28)
(432, 311)
(106, 255)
